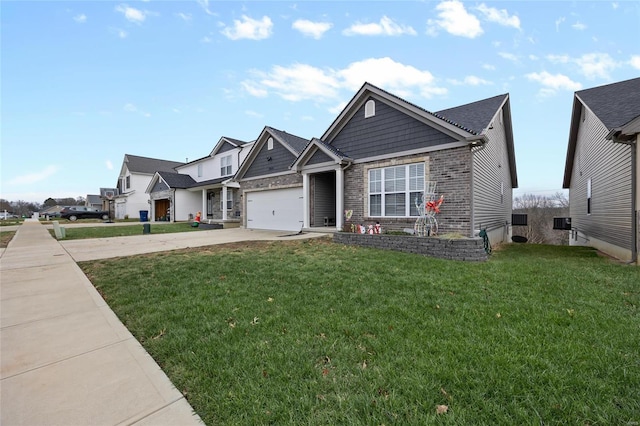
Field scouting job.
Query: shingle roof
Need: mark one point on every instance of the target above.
(295, 142)
(137, 164)
(475, 116)
(211, 181)
(235, 141)
(177, 180)
(614, 104)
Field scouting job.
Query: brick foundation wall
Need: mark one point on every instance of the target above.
(465, 249)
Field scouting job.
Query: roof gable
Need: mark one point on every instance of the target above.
(226, 144)
(287, 148)
(316, 152)
(476, 116)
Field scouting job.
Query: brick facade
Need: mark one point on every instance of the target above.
(450, 168)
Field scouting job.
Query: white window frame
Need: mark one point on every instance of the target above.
(229, 201)
(226, 165)
(382, 183)
(200, 170)
(589, 196)
(270, 144)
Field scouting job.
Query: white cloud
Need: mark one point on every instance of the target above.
(558, 22)
(109, 164)
(488, 67)
(254, 89)
(591, 65)
(454, 19)
(470, 80)
(81, 18)
(594, 65)
(312, 29)
(552, 83)
(635, 61)
(132, 14)
(615, 5)
(579, 26)
(499, 16)
(35, 177)
(302, 81)
(386, 27)
(509, 56)
(130, 108)
(249, 28)
(206, 39)
(184, 16)
(252, 113)
(205, 6)
(119, 32)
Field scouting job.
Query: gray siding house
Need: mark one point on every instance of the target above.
(377, 155)
(601, 170)
(271, 189)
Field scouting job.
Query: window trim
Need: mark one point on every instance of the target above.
(270, 143)
(406, 191)
(589, 196)
(225, 167)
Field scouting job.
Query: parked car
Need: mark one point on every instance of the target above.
(74, 213)
(5, 216)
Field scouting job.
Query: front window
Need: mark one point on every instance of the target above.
(394, 191)
(128, 182)
(200, 170)
(225, 166)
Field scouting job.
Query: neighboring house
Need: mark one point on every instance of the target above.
(602, 169)
(272, 192)
(135, 175)
(202, 185)
(375, 159)
(94, 201)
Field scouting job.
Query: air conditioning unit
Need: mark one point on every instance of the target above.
(562, 223)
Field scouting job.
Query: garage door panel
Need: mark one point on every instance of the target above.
(278, 209)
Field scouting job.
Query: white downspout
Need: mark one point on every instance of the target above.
(339, 197)
(305, 201)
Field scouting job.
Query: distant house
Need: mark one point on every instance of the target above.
(135, 175)
(94, 201)
(375, 160)
(602, 169)
(203, 185)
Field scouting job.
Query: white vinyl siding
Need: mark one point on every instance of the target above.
(394, 191)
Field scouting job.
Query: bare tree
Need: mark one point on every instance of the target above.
(540, 211)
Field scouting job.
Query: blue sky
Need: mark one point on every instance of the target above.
(84, 83)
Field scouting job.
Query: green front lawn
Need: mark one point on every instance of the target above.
(311, 332)
(114, 230)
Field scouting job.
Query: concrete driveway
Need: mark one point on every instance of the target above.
(103, 248)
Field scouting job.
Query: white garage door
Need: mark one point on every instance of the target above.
(278, 209)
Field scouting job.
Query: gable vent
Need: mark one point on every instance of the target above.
(370, 108)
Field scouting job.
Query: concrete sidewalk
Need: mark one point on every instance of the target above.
(66, 358)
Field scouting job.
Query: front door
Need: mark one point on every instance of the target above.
(162, 210)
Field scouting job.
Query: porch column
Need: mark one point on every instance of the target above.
(224, 202)
(339, 197)
(305, 200)
(203, 210)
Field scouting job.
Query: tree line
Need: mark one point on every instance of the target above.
(26, 208)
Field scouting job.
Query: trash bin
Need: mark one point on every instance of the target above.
(146, 228)
(144, 215)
